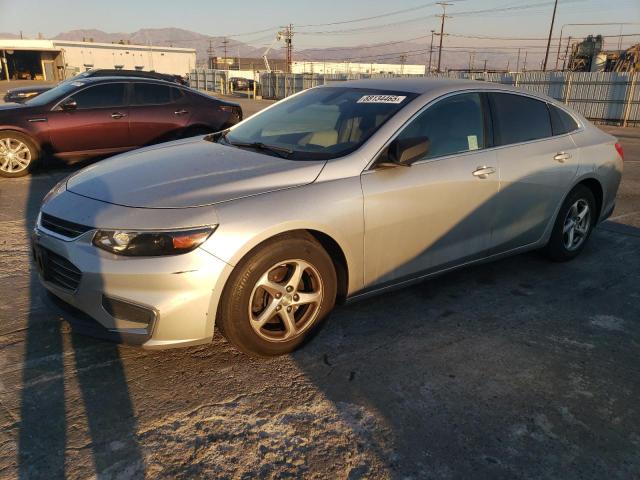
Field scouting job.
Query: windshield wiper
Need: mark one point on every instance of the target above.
(217, 136)
(281, 151)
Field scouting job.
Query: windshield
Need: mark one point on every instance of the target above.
(57, 92)
(322, 123)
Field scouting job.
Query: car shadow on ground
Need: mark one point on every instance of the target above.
(45, 422)
(520, 368)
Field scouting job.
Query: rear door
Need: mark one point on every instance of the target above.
(536, 169)
(157, 112)
(99, 122)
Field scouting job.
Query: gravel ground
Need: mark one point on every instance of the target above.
(516, 369)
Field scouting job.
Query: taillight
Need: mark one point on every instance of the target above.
(619, 150)
(235, 111)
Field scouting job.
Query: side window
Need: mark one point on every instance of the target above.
(561, 121)
(452, 125)
(518, 118)
(150, 94)
(101, 96)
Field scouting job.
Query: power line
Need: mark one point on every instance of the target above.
(419, 19)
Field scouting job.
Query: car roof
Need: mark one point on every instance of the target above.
(115, 78)
(424, 85)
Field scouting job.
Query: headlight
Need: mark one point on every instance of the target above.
(151, 244)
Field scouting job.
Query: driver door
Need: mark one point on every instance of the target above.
(437, 212)
(99, 121)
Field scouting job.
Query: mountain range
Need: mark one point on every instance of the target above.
(416, 52)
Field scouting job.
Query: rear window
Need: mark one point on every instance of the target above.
(150, 94)
(561, 121)
(518, 118)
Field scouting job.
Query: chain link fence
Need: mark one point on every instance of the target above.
(606, 97)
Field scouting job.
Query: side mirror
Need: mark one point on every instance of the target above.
(69, 105)
(406, 151)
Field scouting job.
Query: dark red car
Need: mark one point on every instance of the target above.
(101, 116)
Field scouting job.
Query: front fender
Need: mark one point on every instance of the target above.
(333, 208)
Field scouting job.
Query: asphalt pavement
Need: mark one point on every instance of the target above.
(516, 369)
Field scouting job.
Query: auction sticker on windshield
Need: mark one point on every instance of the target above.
(382, 99)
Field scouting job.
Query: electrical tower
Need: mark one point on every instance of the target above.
(287, 34)
(225, 42)
(444, 15)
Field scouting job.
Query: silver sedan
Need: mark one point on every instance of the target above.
(336, 193)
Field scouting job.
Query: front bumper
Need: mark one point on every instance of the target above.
(155, 302)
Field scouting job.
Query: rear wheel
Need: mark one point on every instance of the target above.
(277, 296)
(573, 226)
(18, 154)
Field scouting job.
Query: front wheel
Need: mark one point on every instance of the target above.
(277, 296)
(573, 226)
(18, 154)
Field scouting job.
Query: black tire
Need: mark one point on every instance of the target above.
(233, 319)
(33, 154)
(557, 249)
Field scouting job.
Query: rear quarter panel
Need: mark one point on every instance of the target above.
(206, 111)
(600, 160)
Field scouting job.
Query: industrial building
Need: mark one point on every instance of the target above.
(314, 66)
(55, 60)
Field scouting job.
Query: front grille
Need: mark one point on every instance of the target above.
(62, 227)
(58, 270)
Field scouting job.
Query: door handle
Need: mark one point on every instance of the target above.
(562, 157)
(117, 115)
(483, 172)
(180, 112)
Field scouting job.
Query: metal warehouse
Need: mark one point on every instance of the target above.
(54, 60)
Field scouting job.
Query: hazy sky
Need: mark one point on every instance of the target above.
(244, 16)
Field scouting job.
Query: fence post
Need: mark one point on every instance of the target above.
(627, 108)
(568, 88)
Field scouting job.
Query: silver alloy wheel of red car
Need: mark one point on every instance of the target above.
(15, 155)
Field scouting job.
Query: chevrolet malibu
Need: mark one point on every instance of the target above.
(336, 193)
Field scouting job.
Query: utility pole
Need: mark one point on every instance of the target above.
(403, 60)
(524, 64)
(225, 42)
(210, 53)
(553, 19)
(518, 62)
(444, 15)
(431, 49)
(485, 65)
(471, 55)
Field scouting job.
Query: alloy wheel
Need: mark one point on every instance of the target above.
(286, 300)
(576, 225)
(15, 155)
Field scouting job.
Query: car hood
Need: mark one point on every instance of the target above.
(6, 108)
(29, 89)
(189, 173)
